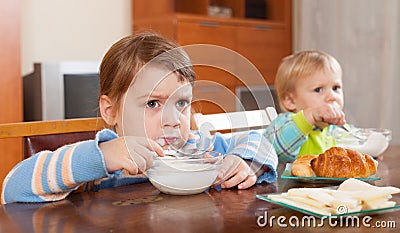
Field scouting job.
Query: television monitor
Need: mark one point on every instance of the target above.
(256, 97)
(61, 90)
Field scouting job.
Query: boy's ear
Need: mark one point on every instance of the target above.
(107, 110)
(289, 103)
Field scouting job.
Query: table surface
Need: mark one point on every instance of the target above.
(142, 208)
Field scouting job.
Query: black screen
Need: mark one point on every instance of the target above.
(259, 98)
(81, 92)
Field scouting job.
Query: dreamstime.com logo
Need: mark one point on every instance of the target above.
(349, 221)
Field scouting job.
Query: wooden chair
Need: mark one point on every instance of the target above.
(232, 122)
(50, 135)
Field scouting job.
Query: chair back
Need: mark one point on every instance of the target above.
(50, 135)
(34, 144)
(232, 122)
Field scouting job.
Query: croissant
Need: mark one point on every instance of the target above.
(302, 166)
(344, 163)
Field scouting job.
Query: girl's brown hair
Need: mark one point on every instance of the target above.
(302, 65)
(128, 55)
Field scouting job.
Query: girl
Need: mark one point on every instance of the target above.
(145, 94)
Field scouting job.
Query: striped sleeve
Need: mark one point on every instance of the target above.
(52, 175)
(254, 147)
(249, 146)
(286, 136)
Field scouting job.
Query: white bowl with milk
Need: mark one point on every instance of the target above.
(185, 175)
(375, 143)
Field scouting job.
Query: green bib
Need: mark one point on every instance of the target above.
(317, 143)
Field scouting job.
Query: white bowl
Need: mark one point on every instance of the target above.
(377, 140)
(184, 175)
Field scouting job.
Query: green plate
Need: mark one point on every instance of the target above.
(287, 174)
(308, 212)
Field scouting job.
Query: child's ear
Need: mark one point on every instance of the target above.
(107, 110)
(289, 103)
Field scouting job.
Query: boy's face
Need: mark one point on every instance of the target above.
(157, 106)
(319, 89)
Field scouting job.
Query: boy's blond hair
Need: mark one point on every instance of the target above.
(302, 65)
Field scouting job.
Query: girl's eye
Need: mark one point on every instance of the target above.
(318, 89)
(182, 103)
(335, 88)
(152, 104)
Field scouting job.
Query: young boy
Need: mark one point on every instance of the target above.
(309, 89)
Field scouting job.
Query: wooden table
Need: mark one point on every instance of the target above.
(142, 208)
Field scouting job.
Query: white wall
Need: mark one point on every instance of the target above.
(60, 30)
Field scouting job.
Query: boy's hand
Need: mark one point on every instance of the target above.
(325, 115)
(134, 154)
(235, 171)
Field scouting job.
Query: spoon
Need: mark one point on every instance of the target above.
(192, 153)
(187, 153)
(361, 138)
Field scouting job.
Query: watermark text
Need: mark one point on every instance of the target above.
(265, 220)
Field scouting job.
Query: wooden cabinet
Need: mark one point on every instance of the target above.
(205, 32)
(261, 33)
(265, 48)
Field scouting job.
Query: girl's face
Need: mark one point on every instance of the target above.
(157, 106)
(319, 89)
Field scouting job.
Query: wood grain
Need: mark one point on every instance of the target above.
(51, 127)
(10, 81)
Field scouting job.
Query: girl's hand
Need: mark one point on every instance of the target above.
(235, 171)
(134, 154)
(325, 115)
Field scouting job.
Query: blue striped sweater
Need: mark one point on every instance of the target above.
(53, 175)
